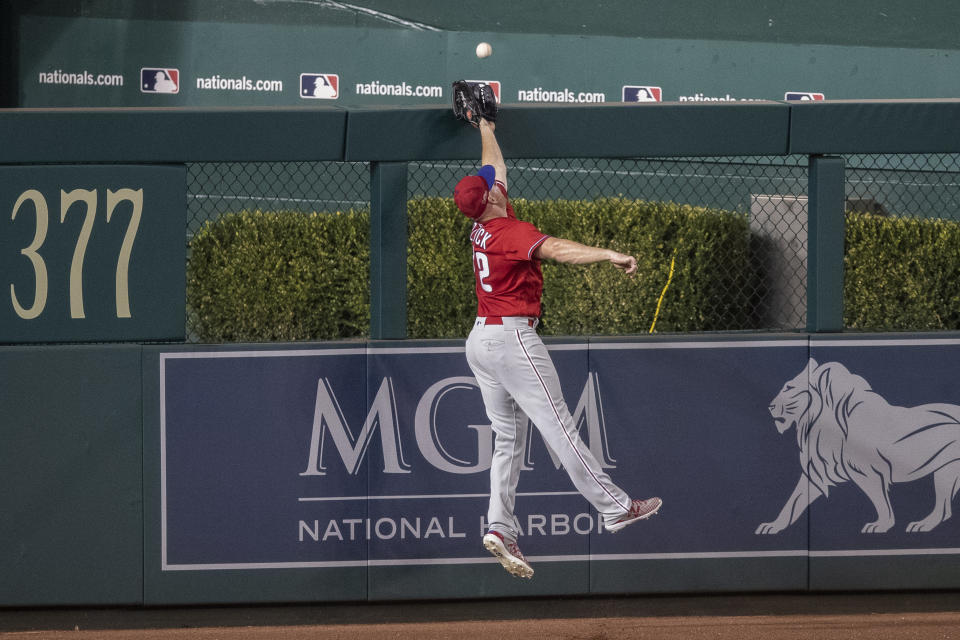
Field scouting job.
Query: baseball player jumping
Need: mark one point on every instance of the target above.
(512, 366)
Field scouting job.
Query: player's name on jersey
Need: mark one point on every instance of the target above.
(479, 236)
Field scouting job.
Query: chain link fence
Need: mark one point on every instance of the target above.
(903, 237)
(908, 185)
(216, 188)
(769, 191)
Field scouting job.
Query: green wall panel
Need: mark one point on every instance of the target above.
(699, 575)
(881, 126)
(599, 131)
(486, 580)
(70, 468)
(92, 253)
(883, 572)
(226, 63)
(161, 135)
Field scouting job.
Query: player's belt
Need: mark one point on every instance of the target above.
(499, 320)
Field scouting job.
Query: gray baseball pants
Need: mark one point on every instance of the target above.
(518, 380)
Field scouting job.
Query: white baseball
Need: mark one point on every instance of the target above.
(484, 49)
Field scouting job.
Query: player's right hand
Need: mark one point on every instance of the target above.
(627, 264)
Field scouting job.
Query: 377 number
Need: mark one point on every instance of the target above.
(32, 252)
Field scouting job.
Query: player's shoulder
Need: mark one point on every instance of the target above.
(509, 221)
(517, 228)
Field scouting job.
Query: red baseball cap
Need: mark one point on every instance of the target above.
(472, 192)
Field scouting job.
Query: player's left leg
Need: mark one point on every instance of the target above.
(510, 429)
(485, 351)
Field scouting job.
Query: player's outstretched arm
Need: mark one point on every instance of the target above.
(490, 151)
(571, 252)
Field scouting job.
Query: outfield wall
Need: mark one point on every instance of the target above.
(254, 479)
(143, 473)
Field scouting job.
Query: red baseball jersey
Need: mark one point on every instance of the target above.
(509, 280)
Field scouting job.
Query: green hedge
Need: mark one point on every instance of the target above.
(280, 276)
(265, 276)
(901, 274)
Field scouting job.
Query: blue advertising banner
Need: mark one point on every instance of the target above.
(782, 463)
(380, 456)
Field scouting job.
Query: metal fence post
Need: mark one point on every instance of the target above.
(825, 239)
(388, 250)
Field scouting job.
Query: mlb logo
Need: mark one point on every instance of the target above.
(494, 84)
(319, 86)
(641, 94)
(159, 80)
(802, 95)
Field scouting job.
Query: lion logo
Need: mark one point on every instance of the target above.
(847, 432)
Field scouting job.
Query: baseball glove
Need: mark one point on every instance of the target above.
(473, 101)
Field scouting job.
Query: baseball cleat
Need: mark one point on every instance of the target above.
(639, 510)
(509, 555)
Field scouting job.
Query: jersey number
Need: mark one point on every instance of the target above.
(483, 270)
